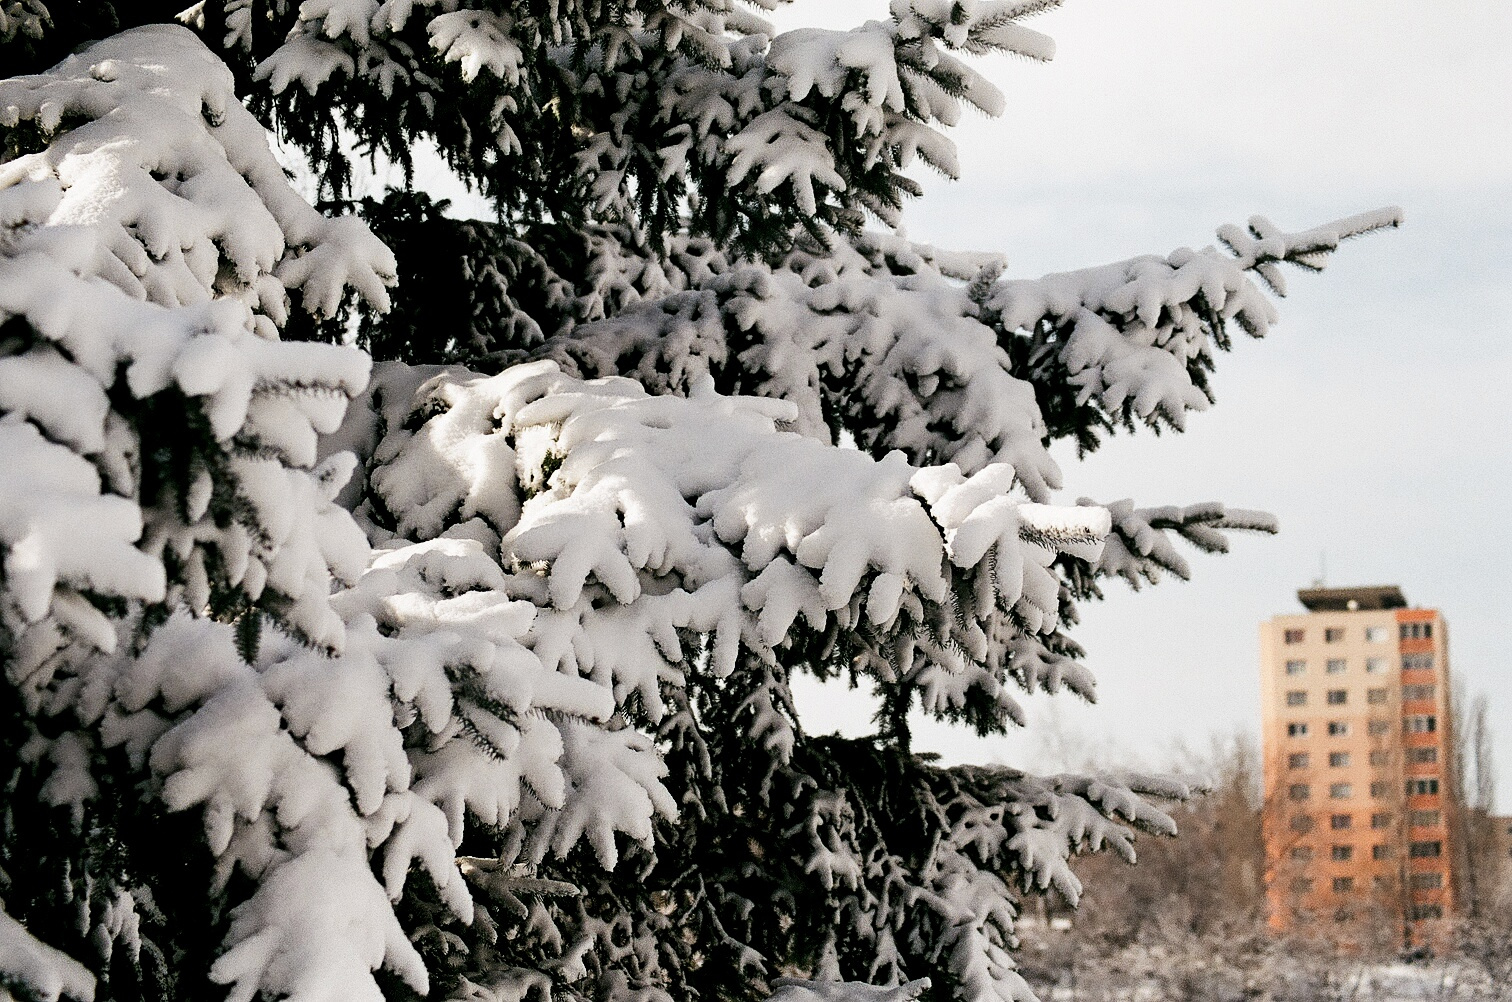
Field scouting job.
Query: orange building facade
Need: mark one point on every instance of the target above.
(1356, 734)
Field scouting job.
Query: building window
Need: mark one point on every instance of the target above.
(1301, 823)
(1419, 724)
(1301, 885)
(1296, 730)
(1414, 661)
(1379, 727)
(1381, 882)
(1335, 666)
(1376, 697)
(1338, 759)
(1422, 754)
(1376, 634)
(1422, 787)
(1297, 760)
(1341, 822)
(1380, 758)
(1379, 790)
(1293, 636)
(1421, 912)
(1299, 791)
(1302, 853)
(1417, 631)
(1429, 691)
(1380, 819)
(1333, 634)
(1296, 697)
(1425, 850)
(1296, 667)
(1338, 697)
(1338, 728)
(1343, 885)
(1375, 666)
(1427, 881)
(1423, 819)
(1380, 851)
(1342, 853)
(1341, 791)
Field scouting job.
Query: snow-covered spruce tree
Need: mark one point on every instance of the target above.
(466, 676)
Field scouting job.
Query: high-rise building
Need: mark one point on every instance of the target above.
(1357, 742)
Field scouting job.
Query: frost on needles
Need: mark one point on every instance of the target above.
(466, 674)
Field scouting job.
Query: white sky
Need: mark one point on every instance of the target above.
(1373, 421)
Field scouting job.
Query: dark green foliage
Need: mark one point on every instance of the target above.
(63, 874)
(71, 24)
(471, 290)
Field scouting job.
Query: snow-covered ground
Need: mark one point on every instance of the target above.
(1444, 981)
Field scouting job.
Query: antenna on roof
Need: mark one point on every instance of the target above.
(1321, 581)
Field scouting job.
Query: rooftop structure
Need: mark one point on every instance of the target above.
(1366, 598)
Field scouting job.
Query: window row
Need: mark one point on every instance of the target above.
(1416, 724)
(1340, 697)
(1341, 853)
(1336, 760)
(1416, 631)
(1336, 791)
(1379, 790)
(1336, 729)
(1337, 634)
(1337, 666)
(1346, 885)
(1373, 666)
(1341, 822)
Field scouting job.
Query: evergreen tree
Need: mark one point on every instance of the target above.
(465, 675)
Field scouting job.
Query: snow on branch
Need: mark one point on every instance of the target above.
(1141, 546)
(478, 40)
(637, 519)
(894, 80)
(148, 246)
(1135, 340)
(1039, 823)
(879, 338)
(977, 26)
(900, 361)
(328, 783)
(993, 834)
(1265, 244)
(31, 968)
(151, 175)
(802, 990)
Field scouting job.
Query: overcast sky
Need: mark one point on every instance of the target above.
(1373, 421)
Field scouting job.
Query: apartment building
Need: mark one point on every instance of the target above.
(1356, 735)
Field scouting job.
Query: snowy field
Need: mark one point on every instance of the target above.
(1349, 982)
